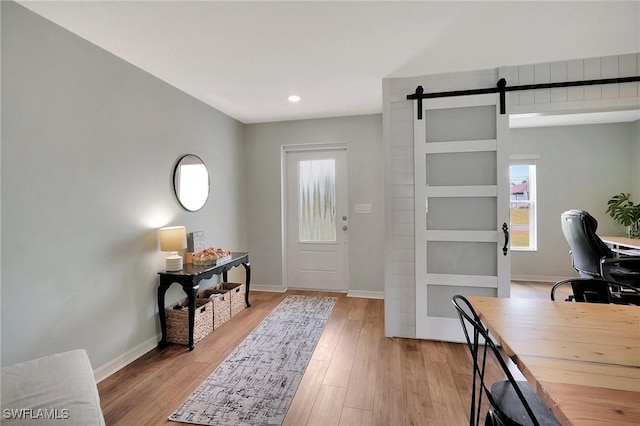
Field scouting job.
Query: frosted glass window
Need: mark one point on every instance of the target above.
(317, 200)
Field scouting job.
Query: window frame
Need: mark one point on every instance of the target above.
(527, 160)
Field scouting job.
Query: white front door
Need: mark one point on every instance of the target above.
(316, 219)
(461, 207)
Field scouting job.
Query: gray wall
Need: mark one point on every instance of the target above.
(580, 167)
(635, 162)
(363, 137)
(88, 147)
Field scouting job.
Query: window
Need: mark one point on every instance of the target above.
(523, 207)
(317, 195)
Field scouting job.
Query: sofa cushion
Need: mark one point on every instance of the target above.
(55, 389)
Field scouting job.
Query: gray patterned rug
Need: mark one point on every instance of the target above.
(257, 381)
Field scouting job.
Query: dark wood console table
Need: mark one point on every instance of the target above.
(189, 278)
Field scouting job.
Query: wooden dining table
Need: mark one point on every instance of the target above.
(582, 359)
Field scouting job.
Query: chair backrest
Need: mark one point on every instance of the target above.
(480, 344)
(579, 229)
(587, 290)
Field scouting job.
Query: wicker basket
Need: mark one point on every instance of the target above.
(237, 292)
(221, 312)
(178, 322)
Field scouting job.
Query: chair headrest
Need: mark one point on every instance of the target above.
(590, 222)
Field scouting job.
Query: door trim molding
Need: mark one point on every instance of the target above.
(284, 150)
(364, 294)
(321, 146)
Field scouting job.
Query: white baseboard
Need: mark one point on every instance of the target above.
(366, 294)
(537, 278)
(351, 293)
(269, 288)
(125, 359)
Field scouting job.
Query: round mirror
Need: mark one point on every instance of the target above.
(191, 182)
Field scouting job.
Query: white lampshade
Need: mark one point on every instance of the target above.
(173, 238)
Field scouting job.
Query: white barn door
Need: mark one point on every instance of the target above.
(461, 205)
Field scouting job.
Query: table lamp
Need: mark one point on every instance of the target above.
(173, 238)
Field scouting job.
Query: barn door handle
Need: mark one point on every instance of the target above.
(505, 229)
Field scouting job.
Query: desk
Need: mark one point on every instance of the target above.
(622, 245)
(582, 359)
(189, 278)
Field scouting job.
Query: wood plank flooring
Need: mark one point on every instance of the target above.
(357, 376)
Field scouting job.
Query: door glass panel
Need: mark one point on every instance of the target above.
(317, 195)
(461, 124)
(462, 213)
(467, 168)
(462, 258)
(439, 298)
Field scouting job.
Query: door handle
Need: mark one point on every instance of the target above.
(505, 229)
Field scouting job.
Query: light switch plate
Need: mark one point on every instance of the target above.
(363, 208)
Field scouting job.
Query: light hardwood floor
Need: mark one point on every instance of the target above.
(357, 376)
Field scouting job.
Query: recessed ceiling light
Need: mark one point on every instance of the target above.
(294, 98)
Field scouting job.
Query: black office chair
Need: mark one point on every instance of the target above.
(590, 256)
(511, 402)
(595, 290)
(621, 269)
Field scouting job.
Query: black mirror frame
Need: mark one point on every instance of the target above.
(175, 189)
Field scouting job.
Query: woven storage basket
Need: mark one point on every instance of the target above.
(178, 322)
(221, 311)
(237, 292)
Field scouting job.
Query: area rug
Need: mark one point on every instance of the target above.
(256, 383)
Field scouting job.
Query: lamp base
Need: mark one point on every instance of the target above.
(174, 262)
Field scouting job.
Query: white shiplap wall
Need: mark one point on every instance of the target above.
(400, 303)
(399, 260)
(583, 97)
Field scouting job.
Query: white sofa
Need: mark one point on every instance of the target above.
(57, 389)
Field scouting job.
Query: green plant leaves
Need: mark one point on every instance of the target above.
(622, 209)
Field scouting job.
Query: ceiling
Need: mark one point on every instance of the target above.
(246, 58)
(575, 119)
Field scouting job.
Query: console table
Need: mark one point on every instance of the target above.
(189, 278)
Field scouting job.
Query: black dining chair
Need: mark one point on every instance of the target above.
(512, 403)
(594, 290)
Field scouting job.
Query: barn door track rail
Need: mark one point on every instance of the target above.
(502, 88)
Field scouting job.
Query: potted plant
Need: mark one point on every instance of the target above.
(625, 213)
